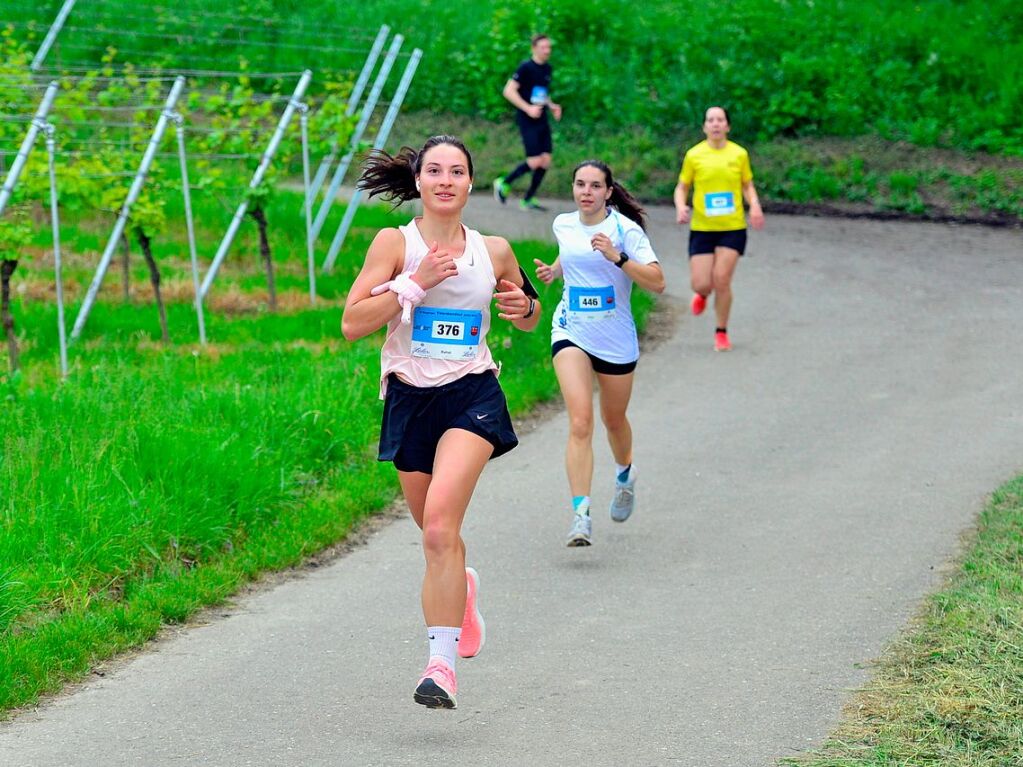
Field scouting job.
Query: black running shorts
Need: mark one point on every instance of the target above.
(704, 243)
(599, 366)
(536, 136)
(416, 418)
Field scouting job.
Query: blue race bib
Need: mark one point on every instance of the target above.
(719, 203)
(591, 304)
(446, 334)
(539, 95)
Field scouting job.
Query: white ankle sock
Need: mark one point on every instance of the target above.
(621, 469)
(444, 642)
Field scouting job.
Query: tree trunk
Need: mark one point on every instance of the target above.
(125, 268)
(154, 278)
(264, 250)
(7, 268)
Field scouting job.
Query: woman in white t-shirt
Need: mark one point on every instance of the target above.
(602, 250)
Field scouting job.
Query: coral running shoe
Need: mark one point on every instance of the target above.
(721, 342)
(698, 304)
(437, 687)
(474, 630)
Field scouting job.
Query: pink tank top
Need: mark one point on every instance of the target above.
(447, 338)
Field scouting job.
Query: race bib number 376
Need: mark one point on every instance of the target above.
(446, 334)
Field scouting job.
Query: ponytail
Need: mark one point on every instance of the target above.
(394, 176)
(620, 198)
(627, 205)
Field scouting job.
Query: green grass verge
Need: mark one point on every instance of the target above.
(949, 693)
(159, 478)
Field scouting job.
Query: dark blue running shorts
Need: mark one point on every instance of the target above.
(703, 243)
(416, 418)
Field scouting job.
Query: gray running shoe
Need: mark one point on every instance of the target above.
(582, 528)
(624, 500)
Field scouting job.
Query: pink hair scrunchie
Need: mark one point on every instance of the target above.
(408, 291)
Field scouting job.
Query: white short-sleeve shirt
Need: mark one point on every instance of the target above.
(595, 312)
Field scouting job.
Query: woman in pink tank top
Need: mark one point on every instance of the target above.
(431, 283)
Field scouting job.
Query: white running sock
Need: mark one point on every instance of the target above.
(620, 472)
(444, 642)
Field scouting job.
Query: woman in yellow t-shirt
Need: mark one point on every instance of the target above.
(719, 174)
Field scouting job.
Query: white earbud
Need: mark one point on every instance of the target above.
(470, 188)
(418, 187)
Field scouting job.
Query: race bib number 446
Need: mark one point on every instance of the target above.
(591, 304)
(446, 334)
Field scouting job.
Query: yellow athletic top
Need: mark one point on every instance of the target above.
(717, 192)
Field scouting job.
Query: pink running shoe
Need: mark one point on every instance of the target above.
(699, 303)
(721, 342)
(437, 687)
(474, 630)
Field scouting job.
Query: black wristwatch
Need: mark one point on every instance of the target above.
(532, 308)
(620, 263)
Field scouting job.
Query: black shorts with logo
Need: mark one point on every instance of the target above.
(599, 365)
(416, 418)
(702, 243)
(536, 135)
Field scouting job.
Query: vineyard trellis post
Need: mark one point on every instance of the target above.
(51, 151)
(367, 112)
(51, 36)
(303, 114)
(378, 143)
(257, 179)
(186, 193)
(353, 103)
(122, 217)
(11, 181)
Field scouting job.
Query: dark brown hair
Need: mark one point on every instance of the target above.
(718, 106)
(624, 202)
(537, 38)
(394, 176)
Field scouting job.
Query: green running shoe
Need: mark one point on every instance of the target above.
(501, 190)
(531, 204)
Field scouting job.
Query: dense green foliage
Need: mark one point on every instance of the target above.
(941, 72)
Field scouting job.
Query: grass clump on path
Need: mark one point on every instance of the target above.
(949, 693)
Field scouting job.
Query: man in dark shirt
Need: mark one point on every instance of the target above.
(529, 92)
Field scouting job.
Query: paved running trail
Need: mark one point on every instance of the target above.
(797, 497)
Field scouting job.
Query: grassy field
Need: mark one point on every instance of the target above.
(949, 692)
(159, 478)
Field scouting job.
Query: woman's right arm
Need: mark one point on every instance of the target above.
(547, 274)
(681, 208)
(364, 313)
